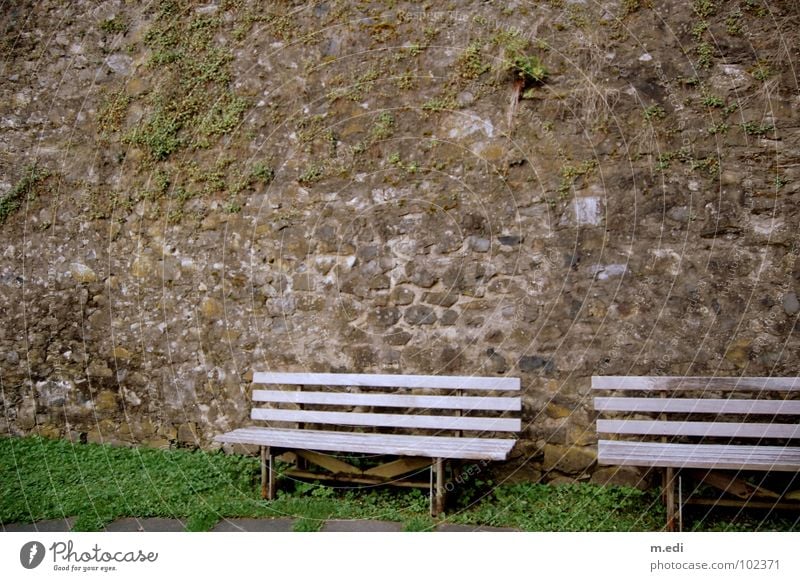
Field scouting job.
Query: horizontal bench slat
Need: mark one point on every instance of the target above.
(389, 420)
(720, 429)
(307, 436)
(691, 405)
(408, 381)
(710, 456)
(664, 383)
(390, 400)
(401, 445)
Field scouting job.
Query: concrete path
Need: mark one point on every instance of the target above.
(238, 525)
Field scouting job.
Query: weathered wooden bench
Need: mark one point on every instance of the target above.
(430, 420)
(698, 426)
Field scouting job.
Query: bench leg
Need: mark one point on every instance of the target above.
(267, 474)
(669, 497)
(437, 487)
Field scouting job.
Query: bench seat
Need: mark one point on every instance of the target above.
(709, 456)
(422, 421)
(390, 444)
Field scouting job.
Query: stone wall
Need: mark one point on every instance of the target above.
(221, 188)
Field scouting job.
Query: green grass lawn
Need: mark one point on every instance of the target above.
(46, 479)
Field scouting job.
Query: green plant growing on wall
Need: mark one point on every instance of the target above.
(654, 112)
(711, 100)
(113, 109)
(756, 129)
(262, 172)
(470, 64)
(528, 72)
(705, 55)
(194, 104)
(312, 173)
(570, 173)
(383, 127)
(115, 25)
(761, 71)
(443, 102)
(720, 127)
(733, 23)
(32, 177)
(703, 8)
(528, 69)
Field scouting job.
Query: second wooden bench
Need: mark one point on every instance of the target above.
(710, 428)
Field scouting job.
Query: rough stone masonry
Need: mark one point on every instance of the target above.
(193, 191)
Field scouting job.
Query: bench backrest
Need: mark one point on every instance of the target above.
(414, 402)
(720, 410)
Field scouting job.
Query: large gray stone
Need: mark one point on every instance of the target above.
(790, 303)
(420, 315)
(568, 459)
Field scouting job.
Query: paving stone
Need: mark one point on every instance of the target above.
(254, 525)
(60, 525)
(150, 525)
(361, 526)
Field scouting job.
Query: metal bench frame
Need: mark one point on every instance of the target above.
(417, 440)
(731, 418)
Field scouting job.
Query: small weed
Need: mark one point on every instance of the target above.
(705, 55)
(383, 127)
(654, 112)
(757, 129)
(232, 207)
(220, 119)
(720, 127)
(710, 100)
(570, 173)
(362, 85)
(733, 23)
(761, 71)
(663, 162)
(112, 112)
(470, 64)
(311, 174)
(413, 50)
(756, 7)
(703, 8)
(418, 524)
(529, 69)
(115, 25)
(628, 7)
(25, 188)
(699, 28)
(709, 164)
(158, 134)
(405, 81)
(730, 109)
(262, 172)
(780, 181)
(411, 167)
(441, 103)
(510, 41)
